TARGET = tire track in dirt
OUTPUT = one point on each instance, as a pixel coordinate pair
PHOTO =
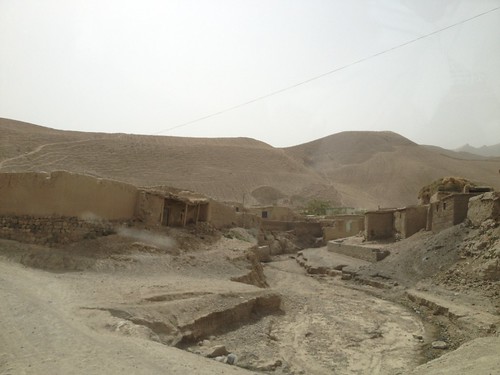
(40, 148)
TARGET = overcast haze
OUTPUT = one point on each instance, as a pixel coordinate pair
(147, 66)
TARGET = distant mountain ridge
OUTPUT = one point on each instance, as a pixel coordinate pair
(488, 151)
(357, 169)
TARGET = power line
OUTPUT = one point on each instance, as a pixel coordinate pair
(364, 59)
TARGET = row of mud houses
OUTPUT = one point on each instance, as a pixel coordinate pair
(63, 206)
(443, 210)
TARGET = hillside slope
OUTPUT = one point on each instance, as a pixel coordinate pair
(488, 151)
(372, 169)
(361, 169)
(223, 168)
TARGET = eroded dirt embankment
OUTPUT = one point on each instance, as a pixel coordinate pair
(131, 296)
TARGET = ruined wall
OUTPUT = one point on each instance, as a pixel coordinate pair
(342, 226)
(149, 208)
(484, 207)
(65, 194)
(283, 214)
(379, 225)
(301, 228)
(278, 226)
(306, 228)
(51, 230)
(248, 220)
(221, 215)
(277, 213)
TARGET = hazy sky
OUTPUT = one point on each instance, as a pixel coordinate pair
(145, 66)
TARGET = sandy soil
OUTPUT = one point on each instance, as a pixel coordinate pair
(118, 312)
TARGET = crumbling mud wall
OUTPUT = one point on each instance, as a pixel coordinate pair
(379, 225)
(221, 215)
(150, 208)
(65, 194)
(448, 212)
(277, 213)
(410, 220)
(342, 226)
(484, 207)
(51, 230)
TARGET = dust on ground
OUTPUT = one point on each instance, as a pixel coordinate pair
(142, 302)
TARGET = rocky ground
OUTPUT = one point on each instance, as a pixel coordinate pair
(197, 301)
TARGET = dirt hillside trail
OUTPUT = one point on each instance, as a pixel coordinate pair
(361, 169)
(38, 149)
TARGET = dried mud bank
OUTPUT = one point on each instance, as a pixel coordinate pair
(115, 290)
(450, 280)
(210, 296)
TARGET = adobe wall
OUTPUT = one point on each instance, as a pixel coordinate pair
(410, 220)
(51, 230)
(221, 215)
(65, 194)
(248, 220)
(277, 213)
(379, 225)
(484, 207)
(442, 215)
(449, 212)
(461, 207)
(342, 226)
(308, 228)
(283, 214)
(301, 228)
(416, 219)
(149, 208)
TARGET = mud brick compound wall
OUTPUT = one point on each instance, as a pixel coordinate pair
(65, 194)
(51, 230)
(449, 211)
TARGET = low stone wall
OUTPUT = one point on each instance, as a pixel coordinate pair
(51, 230)
(370, 254)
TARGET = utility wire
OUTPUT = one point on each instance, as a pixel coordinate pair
(364, 59)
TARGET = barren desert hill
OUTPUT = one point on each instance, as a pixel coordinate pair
(488, 151)
(222, 168)
(361, 169)
(371, 169)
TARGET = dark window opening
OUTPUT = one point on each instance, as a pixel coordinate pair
(264, 214)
